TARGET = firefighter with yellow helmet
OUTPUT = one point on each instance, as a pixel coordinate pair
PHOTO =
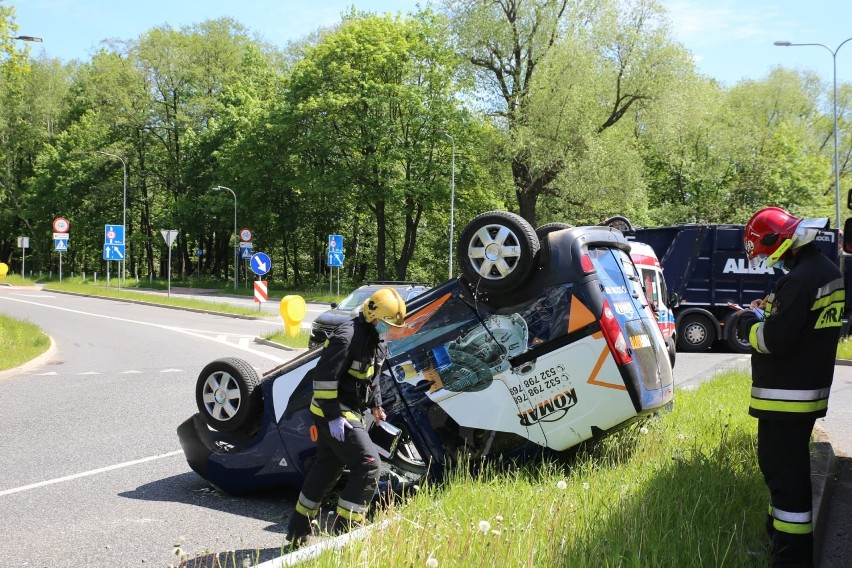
(794, 344)
(346, 383)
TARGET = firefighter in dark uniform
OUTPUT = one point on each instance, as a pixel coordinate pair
(346, 383)
(794, 343)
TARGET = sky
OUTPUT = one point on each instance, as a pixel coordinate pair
(730, 40)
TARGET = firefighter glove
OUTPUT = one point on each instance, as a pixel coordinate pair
(747, 320)
(338, 428)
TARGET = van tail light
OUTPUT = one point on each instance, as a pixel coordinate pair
(586, 264)
(614, 336)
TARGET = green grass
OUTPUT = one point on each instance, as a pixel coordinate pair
(20, 342)
(129, 294)
(683, 489)
(16, 280)
(844, 348)
(299, 340)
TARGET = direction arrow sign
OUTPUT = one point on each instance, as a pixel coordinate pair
(335, 259)
(260, 263)
(113, 252)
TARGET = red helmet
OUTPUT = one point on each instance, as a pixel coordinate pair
(772, 232)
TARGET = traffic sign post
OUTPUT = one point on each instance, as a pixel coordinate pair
(113, 246)
(24, 244)
(335, 258)
(169, 235)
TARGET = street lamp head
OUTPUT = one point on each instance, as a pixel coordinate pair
(782, 43)
(28, 38)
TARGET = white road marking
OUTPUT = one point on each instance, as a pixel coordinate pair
(157, 325)
(88, 373)
(172, 371)
(87, 473)
(50, 374)
(131, 372)
(244, 341)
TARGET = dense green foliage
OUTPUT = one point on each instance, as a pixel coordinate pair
(561, 110)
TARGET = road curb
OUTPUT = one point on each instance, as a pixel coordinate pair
(823, 478)
(33, 363)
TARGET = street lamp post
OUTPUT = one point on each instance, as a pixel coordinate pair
(123, 213)
(236, 236)
(452, 194)
(784, 43)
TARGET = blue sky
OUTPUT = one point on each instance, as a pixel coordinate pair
(729, 39)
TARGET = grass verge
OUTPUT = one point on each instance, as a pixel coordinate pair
(126, 294)
(844, 348)
(20, 342)
(678, 490)
(299, 341)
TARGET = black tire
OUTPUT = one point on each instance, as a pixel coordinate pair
(618, 222)
(226, 394)
(670, 346)
(497, 250)
(547, 228)
(695, 333)
(736, 343)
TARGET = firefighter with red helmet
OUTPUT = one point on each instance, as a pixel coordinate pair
(346, 383)
(794, 340)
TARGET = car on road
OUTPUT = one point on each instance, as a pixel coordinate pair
(325, 323)
(543, 341)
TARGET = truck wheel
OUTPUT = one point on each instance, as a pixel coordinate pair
(736, 343)
(695, 333)
(497, 250)
(226, 395)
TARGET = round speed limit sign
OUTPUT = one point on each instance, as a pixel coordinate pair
(61, 225)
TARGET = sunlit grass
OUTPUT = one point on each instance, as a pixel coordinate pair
(127, 294)
(20, 342)
(300, 340)
(679, 490)
(844, 348)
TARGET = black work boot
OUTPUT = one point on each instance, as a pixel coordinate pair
(298, 530)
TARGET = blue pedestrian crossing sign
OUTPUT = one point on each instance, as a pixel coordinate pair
(60, 245)
(245, 254)
(260, 263)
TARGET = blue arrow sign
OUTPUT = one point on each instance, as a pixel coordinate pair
(260, 263)
(335, 258)
(113, 252)
(114, 235)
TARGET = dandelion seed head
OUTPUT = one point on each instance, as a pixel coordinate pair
(643, 430)
(499, 518)
(585, 485)
(561, 485)
(495, 532)
(484, 526)
(431, 562)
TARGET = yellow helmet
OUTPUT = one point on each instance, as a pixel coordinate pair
(387, 305)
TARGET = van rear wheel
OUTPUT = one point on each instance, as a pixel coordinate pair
(695, 333)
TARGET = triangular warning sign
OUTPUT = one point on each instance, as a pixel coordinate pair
(580, 315)
(60, 245)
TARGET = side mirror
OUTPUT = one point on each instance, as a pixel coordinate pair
(849, 199)
(674, 300)
(334, 305)
(847, 236)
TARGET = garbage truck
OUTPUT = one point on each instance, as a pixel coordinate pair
(708, 278)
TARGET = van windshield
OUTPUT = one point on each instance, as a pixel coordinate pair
(617, 273)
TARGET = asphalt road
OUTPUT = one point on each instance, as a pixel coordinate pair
(93, 474)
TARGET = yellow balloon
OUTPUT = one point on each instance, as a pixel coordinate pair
(4, 269)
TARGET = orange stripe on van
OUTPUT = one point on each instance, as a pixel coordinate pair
(580, 316)
(593, 377)
(415, 322)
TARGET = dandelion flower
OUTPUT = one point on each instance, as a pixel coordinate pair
(585, 485)
(499, 518)
(484, 526)
(495, 532)
(561, 485)
(681, 436)
(643, 430)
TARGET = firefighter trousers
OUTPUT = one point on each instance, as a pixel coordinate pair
(359, 455)
(783, 453)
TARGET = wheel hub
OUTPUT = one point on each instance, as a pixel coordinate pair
(220, 396)
(492, 252)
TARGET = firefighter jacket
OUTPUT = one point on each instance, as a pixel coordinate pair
(346, 378)
(796, 345)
